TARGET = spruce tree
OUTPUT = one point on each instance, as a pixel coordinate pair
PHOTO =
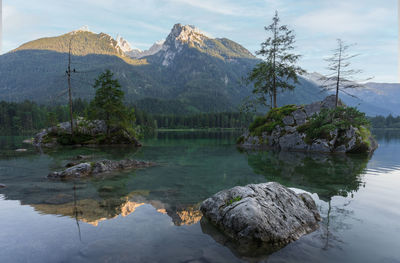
(278, 71)
(108, 104)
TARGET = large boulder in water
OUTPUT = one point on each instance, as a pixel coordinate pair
(268, 214)
(290, 128)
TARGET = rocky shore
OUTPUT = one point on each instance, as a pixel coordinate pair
(85, 133)
(288, 128)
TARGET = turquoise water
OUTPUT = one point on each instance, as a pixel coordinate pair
(151, 215)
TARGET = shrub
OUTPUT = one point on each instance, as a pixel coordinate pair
(274, 117)
(328, 120)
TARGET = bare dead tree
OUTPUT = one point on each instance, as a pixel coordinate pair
(342, 76)
(69, 72)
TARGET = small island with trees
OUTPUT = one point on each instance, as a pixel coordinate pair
(108, 121)
(328, 126)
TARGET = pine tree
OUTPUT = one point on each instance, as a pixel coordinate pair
(278, 71)
(108, 104)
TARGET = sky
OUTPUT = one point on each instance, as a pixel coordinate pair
(369, 24)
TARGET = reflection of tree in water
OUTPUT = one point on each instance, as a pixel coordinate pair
(95, 200)
(326, 175)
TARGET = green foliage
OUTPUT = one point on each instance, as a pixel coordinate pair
(328, 120)
(233, 200)
(28, 117)
(273, 118)
(385, 122)
(78, 138)
(108, 104)
(279, 70)
(365, 135)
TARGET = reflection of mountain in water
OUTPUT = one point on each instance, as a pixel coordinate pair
(93, 211)
(326, 175)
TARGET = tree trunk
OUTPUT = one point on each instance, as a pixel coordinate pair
(338, 75)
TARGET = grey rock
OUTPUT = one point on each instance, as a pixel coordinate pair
(288, 120)
(330, 102)
(290, 129)
(320, 146)
(289, 138)
(312, 109)
(292, 141)
(268, 213)
(3, 186)
(299, 116)
(333, 137)
(351, 144)
(80, 170)
(28, 141)
(21, 150)
(100, 167)
(340, 149)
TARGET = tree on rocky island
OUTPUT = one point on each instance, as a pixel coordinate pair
(342, 76)
(108, 104)
(278, 71)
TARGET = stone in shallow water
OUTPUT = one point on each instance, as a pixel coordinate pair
(268, 214)
(100, 167)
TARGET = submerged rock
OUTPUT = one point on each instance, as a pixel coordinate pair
(286, 128)
(21, 150)
(98, 168)
(268, 214)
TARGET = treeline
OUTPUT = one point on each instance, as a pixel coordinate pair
(198, 121)
(385, 122)
(29, 117)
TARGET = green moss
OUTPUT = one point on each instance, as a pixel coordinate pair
(273, 118)
(365, 135)
(233, 200)
(240, 140)
(267, 127)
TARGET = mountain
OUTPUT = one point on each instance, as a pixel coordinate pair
(189, 72)
(372, 98)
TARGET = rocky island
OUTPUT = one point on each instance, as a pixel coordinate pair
(85, 133)
(317, 127)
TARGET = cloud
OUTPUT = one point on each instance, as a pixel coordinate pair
(343, 19)
(370, 23)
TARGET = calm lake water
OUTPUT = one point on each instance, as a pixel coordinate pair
(152, 215)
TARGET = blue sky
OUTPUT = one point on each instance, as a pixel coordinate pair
(371, 24)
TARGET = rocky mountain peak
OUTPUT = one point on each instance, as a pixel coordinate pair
(123, 44)
(185, 34)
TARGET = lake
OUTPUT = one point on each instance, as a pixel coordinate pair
(152, 215)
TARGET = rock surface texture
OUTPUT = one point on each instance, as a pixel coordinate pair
(89, 133)
(288, 135)
(269, 214)
(99, 168)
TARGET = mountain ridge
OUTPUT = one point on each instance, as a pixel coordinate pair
(190, 71)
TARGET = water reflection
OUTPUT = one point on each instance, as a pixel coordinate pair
(326, 175)
(141, 206)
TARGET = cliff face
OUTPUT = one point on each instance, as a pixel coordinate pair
(317, 127)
